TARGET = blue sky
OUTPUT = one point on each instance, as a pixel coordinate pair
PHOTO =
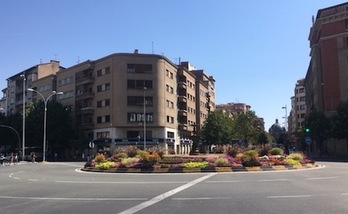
(255, 49)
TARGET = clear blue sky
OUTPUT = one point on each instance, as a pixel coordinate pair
(256, 50)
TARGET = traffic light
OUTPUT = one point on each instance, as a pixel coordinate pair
(307, 130)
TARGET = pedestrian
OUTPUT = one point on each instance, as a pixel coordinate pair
(15, 161)
(33, 156)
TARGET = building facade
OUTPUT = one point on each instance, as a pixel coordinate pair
(297, 113)
(110, 96)
(326, 81)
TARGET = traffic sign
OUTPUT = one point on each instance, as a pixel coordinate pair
(91, 145)
(308, 141)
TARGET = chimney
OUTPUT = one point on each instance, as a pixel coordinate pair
(136, 51)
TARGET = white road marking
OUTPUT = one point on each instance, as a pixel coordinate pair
(289, 196)
(75, 199)
(203, 198)
(236, 181)
(165, 195)
(119, 182)
(33, 180)
(274, 180)
(320, 178)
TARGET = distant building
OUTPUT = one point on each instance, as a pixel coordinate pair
(110, 96)
(234, 109)
(298, 112)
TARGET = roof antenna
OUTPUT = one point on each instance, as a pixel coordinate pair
(152, 47)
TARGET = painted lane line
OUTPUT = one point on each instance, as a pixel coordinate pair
(165, 195)
(119, 182)
(288, 196)
(33, 180)
(274, 180)
(320, 178)
(74, 199)
(203, 198)
(236, 181)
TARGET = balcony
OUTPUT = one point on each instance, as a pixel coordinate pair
(84, 80)
(86, 126)
(84, 95)
(182, 112)
(182, 99)
(183, 127)
(85, 110)
(182, 85)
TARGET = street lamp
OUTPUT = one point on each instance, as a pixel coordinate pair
(144, 119)
(23, 132)
(286, 116)
(45, 115)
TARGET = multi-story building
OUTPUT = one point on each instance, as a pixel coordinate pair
(41, 75)
(326, 80)
(297, 113)
(235, 108)
(110, 96)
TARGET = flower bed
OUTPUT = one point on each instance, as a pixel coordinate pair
(133, 160)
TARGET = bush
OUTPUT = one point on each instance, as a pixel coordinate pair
(234, 150)
(105, 166)
(100, 158)
(196, 165)
(148, 159)
(276, 151)
(250, 158)
(264, 150)
(131, 151)
(222, 162)
(293, 162)
(130, 162)
(296, 156)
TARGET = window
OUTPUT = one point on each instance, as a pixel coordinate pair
(346, 24)
(138, 117)
(103, 135)
(302, 99)
(105, 87)
(103, 103)
(170, 134)
(170, 119)
(66, 81)
(139, 84)
(66, 95)
(139, 101)
(139, 68)
(302, 107)
(103, 119)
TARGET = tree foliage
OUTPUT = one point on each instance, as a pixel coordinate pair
(247, 127)
(217, 128)
(59, 128)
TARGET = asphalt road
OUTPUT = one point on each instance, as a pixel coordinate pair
(61, 188)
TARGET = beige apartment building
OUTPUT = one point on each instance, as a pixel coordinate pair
(110, 96)
(298, 112)
(107, 97)
(41, 76)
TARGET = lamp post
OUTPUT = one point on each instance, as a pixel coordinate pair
(19, 138)
(286, 116)
(144, 119)
(45, 115)
(23, 132)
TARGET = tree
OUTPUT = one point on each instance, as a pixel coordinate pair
(59, 127)
(318, 126)
(263, 139)
(217, 128)
(247, 127)
(339, 122)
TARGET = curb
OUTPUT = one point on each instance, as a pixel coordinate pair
(197, 170)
